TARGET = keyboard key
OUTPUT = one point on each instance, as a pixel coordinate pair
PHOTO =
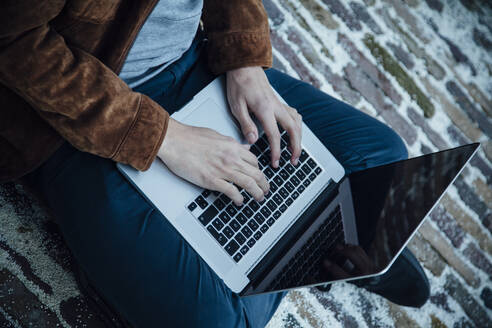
(235, 225)
(244, 250)
(285, 136)
(224, 217)
(259, 218)
(283, 192)
(257, 235)
(270, 221)
(289, 201)
(255, 150)
(232, 247)
(201, 202)
(283, 144)
(246, 196)
(253, 204)
(281, 162)
(300, 175)
(271, 205)
(218, 236)
(306, 182)
(241, 218)
(273, 187)
(277, 199)
(228, 232)
(276, 215)
(226, 200)
(263, 160)
(304, 156)
(219, 204)
(269, 173)
(278, 180)
(247, 211)
(312, 176)
(251, 242)
(311, 163)
(237, 257)
(246, 231)
(264, 228)
(285, 155)
(192, 206)
(231, 210)
(253, 225)
(290, 168)
(218, 224)
(261, 143)
(206, 193)
(289, 186)
(240, 238)
(294, 195)
(318, 170)
(282, 208)
(306, 168)
(294, 180)
(208, 215)
(301, 189)
(283, 173)
(265, 211)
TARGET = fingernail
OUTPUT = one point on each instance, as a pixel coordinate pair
(261, 199)
(296, 161)
(251, 137)
(276, 163)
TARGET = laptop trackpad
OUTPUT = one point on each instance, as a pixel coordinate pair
(217, 117)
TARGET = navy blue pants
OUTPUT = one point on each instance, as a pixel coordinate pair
(136, 260)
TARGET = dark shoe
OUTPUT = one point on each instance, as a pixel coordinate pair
(405, 282)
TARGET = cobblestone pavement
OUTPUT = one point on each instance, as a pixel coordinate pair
(422, 66)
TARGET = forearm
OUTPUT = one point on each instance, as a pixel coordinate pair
(81, 98)
(238, 34)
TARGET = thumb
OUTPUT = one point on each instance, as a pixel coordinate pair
(248, 127)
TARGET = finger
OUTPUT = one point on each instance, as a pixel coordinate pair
(248, 156)
(353, 254)
(247, 183)
(229, 190)
(269, 124)
(248, 127)
(292, 123)
(333, 269)
(257, 175)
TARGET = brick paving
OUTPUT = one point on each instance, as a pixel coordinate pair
(422, 66)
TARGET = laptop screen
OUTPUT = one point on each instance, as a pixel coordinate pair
(390, 202)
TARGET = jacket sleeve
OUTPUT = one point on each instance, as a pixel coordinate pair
(80, 97)
(238, 34)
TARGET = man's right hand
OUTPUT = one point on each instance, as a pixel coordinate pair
(211, 160)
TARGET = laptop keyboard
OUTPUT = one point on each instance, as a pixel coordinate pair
(238, 228)
(303, 268)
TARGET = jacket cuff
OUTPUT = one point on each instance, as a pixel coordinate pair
(144, 138)
(240, 49)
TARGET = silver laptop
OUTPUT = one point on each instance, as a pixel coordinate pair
(279, 243)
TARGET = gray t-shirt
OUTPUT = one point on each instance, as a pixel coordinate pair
(165, 36)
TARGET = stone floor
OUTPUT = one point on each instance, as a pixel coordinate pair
(422, 66)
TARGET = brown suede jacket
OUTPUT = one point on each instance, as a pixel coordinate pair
(59, 65)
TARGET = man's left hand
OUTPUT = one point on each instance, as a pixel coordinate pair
(249, 91)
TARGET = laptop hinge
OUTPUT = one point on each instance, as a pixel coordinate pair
(294, 233)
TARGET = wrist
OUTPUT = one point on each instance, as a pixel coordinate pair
(166, 148)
